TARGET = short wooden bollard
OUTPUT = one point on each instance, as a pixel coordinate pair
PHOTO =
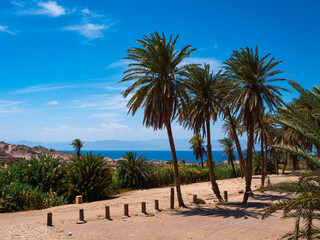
(269, 182)
(49, 219)
(81, 217)
(195, 199)
(172, 198)
(156, 206)
(107, 214)
(226, 196)
(143, 209)
(126, 211)
(79, 199)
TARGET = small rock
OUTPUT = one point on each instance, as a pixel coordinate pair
(240, 191)
(69, 233)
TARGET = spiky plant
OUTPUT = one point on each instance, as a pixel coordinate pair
(157, 86)
(90, 176)
(134, 172)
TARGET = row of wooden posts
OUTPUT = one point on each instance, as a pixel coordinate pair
(126, 209)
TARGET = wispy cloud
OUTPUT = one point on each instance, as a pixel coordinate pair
(49, 8)
(103, 115)
(40, 88)
(11, 106)
(52, 103)
(104, 102)
(92, 25)
(5, 29)
(118, 64)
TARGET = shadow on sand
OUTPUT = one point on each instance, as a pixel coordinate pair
(234, 209)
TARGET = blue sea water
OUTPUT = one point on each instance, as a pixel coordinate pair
(161, 155)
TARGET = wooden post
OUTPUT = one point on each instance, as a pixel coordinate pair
(79, 199)
(81, 217)
(156, 206)
(126, 211)
(269, 182)
(226, 196)
(195, 199)
(107, 214)
(172, 198)
(49, 219)
(143, 209)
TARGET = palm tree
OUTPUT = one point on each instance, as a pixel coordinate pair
(77, 144)
(134, 172)
(251, 78)
(203, 92)
(158, 86)
(306, 201)
(197, 146)
(232, 128)
(228, 149)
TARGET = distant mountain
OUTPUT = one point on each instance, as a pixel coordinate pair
(154, 144)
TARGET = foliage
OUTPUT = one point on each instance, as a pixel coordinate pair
(90, 176)
(199, 150)
(134, 172)
(256, 164)
(228, 149)
(47, 173)
(77, 144)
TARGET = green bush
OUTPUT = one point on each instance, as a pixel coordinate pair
(90, 176)
(18, 196)
(47, 173)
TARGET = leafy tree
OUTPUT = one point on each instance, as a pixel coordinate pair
(90, 176)
(77, 144)
(158, 86)
(134, 172)
(203, 90)
(252, 81)
(197, 146)
(228, 149)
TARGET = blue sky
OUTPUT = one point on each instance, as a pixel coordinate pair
(60, 60)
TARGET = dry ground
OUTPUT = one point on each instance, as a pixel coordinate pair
(205, 221)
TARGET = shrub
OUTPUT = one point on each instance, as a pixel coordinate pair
(18, 196)
(90, 176)
(47, 173)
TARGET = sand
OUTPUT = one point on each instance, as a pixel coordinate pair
(205, 221)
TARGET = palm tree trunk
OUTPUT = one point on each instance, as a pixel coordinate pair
(214, 184)
(248, 176)
(234, 171)
(262, 158)
(265, 156)
(236, 140)
(201, 161)
(285, 162)
(275, 160)
(175, 164)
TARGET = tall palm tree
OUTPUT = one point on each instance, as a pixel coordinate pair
(77, 144)
(252, 89)
(157, 86)
(203, 92)
(232, 128)
(228, 149)
(197, 146)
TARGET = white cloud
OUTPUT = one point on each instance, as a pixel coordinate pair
(121, 63)
(48, 8)
(5, 29)
(52, 102)
(103, 115)
(215, 64)
(40, 88)
(18, 4)
(89, 30)
(11, 106)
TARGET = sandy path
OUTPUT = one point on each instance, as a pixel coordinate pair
(206, 221)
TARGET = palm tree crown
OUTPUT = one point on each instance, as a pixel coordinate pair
(197, 146)
(77, 144)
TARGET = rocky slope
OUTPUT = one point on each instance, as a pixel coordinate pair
(12, 153)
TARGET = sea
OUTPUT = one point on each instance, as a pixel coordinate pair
(160, 155)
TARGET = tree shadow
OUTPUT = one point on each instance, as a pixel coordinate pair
(235, 209)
